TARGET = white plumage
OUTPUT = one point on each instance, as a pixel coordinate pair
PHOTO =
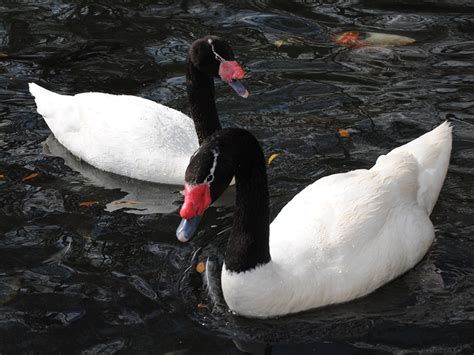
(122, 134)
(347, 234)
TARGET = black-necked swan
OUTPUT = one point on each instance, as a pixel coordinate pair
(136, 137)
(340, 238)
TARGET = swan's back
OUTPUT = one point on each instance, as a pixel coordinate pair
(123, 134)
(411, 174)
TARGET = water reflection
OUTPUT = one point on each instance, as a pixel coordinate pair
(142, 197)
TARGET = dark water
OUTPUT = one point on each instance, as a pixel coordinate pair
(112, 277)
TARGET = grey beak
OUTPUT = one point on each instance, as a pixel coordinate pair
(187, 228)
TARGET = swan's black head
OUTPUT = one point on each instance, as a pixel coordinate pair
(213, 56)
(209, 173)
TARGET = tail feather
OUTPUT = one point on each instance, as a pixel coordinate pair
(46, 101)
(432, 152)
(58, 111)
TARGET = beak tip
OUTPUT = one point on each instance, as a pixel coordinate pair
(239, 88)
(182, 237)
(187, 228)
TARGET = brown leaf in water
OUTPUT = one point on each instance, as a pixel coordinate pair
(272, 158)
(278, 43)
(3, 55)
(202, 306)
(201, 267)
(88, 203)
(30, 177)
(344, 133)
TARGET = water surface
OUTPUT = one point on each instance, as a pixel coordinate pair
(90, 262)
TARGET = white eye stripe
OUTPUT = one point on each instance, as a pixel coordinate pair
(215, 152)
(218, 57)
(210, 177)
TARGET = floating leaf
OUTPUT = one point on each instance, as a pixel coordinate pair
(3, 55)
(385, 39)
(2, 176)
(278, 43)
(344, 133)
(30, 177)
(272, 158)
(364, 39)
(201, 267)
(88, 203)
(202, 306)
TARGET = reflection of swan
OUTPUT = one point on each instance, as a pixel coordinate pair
(142, 197)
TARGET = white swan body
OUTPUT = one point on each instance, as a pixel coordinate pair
(347, 234)
(122, 134)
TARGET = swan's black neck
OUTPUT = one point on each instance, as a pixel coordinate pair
(200, 88)
(248, 245)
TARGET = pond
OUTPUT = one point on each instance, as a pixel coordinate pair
(90, 261)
